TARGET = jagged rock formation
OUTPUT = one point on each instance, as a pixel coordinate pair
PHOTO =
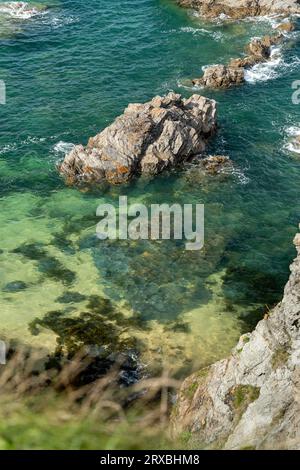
(250, 400)
(220, 76)
(241, 8)
(258, 50)
(225, 76)
(146, 139)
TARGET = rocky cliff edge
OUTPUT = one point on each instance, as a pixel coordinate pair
(250, 400)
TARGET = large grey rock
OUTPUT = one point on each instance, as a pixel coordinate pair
(252, 398)
(146, 139)
(241, 8)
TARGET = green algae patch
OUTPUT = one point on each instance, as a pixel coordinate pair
(194, 382)
(246, 339)
(280, 358)
(191, 390)
(240, 397)
(101, 325)
(48, 265)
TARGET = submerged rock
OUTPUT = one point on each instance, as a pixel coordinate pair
(250, 400)
(286, 26)
(199, 172)
(147, 139)
(215, 163)
(241, 8)
(15, 286)
(220, 76)
(99, 333)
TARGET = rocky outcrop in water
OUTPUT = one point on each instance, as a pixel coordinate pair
(147, 139)
(241, 8)
(220, 76)
(225, 76)
(250, 400)
(214, 164)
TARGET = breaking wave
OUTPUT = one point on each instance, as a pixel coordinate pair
(292, 143)
(63, 147)
(20, 10)
(266, 70)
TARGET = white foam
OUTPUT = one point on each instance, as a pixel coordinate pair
(293, 147)
(63, 147)
(292, 131)
(223, 17)
(7, 148)
(292, 143)
(16, 145)
(204, 67)
(266, 70)
(218, 36)
(19, 10)
(272, 20)
(237, 173)
(62, 20)
(188, 85)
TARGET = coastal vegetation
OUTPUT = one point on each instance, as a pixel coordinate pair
(101, 333)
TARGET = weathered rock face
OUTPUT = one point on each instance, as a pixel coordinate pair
(260, 48)
(241, 8)
(251, 399)
(225, 76)
(146, 139)
(220, 76)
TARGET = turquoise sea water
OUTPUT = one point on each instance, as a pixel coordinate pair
(69, 72)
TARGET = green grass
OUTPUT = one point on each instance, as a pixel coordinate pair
(46, 409)
(23, 429)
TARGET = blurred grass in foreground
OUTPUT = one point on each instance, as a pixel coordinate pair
(43, 408)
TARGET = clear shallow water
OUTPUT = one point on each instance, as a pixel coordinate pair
(69, 72)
